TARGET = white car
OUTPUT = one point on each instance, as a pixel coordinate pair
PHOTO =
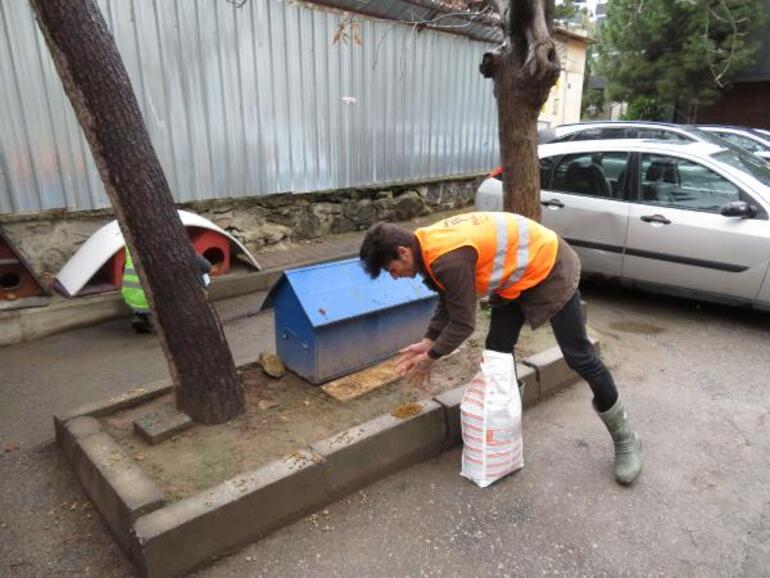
(754, 140)
(684, 218)
(617, 129)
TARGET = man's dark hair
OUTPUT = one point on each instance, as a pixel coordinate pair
(380, 246)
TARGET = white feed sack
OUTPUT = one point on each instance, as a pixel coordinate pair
(490, 415)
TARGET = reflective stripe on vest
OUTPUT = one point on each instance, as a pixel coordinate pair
(514, 253)
(522, 253)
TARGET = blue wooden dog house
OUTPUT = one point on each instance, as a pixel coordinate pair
(332, 319)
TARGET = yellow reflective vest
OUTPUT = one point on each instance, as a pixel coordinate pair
(514, 253)
(131, 288)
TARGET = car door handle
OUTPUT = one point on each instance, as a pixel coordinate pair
(655, 219)
(552, 203)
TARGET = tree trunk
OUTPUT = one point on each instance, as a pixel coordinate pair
(98, 86)
(523, 68)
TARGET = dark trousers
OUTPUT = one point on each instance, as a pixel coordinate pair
(570, 331)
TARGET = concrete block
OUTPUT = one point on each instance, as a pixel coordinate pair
(10, 327)
(189, 533)
(450, 401)
(380, 447)
(65, 314)
(161, 424)
(117, 486)
(597, 345)
(110, 405)
(552, 370)
(75, 429)
(553, 373)
(531, 385)
(236, 284)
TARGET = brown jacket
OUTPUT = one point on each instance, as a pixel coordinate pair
(455, 316)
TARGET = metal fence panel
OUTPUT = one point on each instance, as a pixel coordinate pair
(250, 101)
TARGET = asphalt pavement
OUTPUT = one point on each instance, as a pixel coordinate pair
(695, 380)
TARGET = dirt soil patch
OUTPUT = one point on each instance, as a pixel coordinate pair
(283, 415)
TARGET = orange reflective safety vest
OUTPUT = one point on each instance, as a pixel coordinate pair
(514, 253)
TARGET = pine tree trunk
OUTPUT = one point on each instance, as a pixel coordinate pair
(523, 69)
(98, 86)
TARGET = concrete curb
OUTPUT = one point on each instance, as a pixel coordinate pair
(189, 533)
(64, 314)
(380, 447)
(131, 398)
(171, 539)
(533, 387)
(552, 370)
(117, 486)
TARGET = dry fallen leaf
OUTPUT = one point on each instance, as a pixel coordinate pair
(272, 365)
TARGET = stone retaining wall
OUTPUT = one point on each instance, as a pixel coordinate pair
(49, 239)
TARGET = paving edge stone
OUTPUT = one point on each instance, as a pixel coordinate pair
(117, 486)
(192, 532)
(553, 373)
(172, 539)
(131, 398)
(380, 447)
(64, 314)
(531, 385)
(452, 399)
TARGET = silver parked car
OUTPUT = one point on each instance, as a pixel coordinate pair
(684, 218)
(617, 129)
(756, 141)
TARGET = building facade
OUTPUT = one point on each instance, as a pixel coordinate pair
(565, 99)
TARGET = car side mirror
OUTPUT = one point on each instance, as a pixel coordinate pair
(738, 209)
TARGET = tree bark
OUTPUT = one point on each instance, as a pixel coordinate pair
(523, 68)
(97, 84)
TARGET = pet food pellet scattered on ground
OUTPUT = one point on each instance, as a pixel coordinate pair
(406, 410)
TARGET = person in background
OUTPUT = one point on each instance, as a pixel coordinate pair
(133, 294)
(528, 272)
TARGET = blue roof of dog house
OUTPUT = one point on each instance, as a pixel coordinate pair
(332, 319)
(340, 290)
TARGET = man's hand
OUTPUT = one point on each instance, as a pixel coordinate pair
(416, 369)
(416, 349)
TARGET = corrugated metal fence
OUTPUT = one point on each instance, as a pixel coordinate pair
(249, 101)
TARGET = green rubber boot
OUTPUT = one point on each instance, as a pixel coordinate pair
(628, 444)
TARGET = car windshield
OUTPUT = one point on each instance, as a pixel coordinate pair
(711, 137)
(721, 141)
(747, 163)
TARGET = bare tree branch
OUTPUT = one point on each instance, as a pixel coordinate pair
(711, 54)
